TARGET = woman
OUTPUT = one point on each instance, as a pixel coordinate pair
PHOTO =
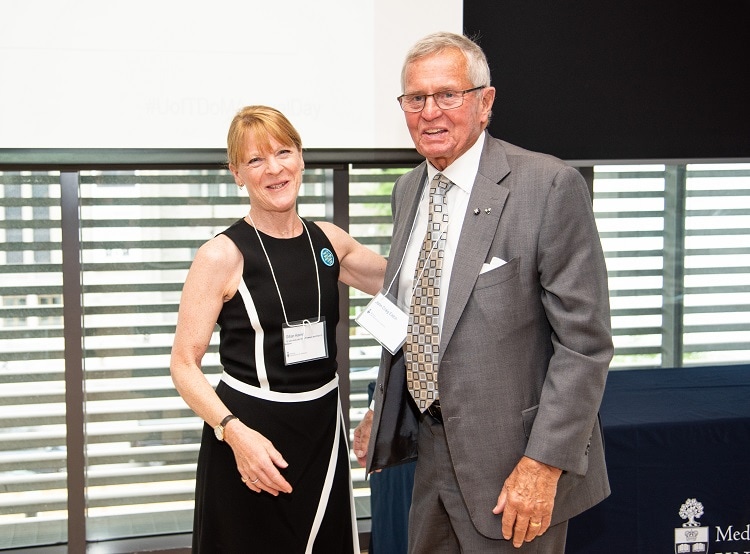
(273, 469)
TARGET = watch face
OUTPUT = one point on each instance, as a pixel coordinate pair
(219, 432)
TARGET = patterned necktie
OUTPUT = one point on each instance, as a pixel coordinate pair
(423, 333)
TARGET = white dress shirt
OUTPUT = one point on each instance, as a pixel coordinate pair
(462, 172)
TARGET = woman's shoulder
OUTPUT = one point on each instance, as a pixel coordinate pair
(335, 234)
(218, 252)
(236, 230)
(325, 226)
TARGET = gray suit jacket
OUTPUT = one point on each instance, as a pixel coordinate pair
(525, 346)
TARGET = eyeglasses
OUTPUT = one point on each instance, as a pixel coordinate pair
(445, 99)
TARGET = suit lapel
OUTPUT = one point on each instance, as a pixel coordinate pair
(477, 233)
(406, 203)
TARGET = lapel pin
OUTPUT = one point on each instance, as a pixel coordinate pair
(476, 211)
(487, 210)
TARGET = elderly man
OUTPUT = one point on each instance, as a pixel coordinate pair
(497, 265)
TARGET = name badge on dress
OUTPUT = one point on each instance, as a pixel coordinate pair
(304, 341)
(385, 321)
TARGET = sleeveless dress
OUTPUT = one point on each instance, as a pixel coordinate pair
(295, 406)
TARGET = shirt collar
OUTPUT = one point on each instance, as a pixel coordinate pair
(463, 171)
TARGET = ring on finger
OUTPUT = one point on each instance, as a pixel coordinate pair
(256, 480)
(243, 479)
(535, 524)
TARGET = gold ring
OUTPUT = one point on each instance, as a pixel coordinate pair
(535, 524)
(244, 479)
(253, 482)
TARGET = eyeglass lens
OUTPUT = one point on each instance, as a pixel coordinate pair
(446, 100)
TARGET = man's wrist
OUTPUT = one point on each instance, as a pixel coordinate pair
(552, 469)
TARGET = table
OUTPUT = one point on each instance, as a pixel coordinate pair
(672, 435)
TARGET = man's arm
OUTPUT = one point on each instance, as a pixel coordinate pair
(576, 302)
(575, 298)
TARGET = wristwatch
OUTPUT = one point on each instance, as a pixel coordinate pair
(219, 429)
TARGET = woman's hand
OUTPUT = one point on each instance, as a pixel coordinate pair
(258, 462)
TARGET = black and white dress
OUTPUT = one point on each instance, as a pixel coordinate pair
(295, 406)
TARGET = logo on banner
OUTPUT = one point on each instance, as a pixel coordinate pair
(691, 537)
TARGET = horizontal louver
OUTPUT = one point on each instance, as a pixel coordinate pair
(676, 239)
(33, 477)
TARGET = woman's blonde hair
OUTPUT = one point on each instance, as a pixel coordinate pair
(259, 123)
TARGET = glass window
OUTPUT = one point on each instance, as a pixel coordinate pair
(33, 479)
(677, 244)
(140, 231)
(676, 240)
(629, 210)
(370, 223)
(717, 264)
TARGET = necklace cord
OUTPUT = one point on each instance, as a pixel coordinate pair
(273, 274)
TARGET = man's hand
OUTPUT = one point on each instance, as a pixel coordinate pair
(362, 438)
(527, 499)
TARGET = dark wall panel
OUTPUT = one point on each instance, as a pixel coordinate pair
(618, 79)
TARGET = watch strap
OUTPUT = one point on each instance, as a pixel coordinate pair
(219, 429)
(226, 420)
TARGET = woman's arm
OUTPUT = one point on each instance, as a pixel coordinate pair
(361, 268)
(208, 285)
(212, 280)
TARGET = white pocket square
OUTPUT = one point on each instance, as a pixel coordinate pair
(494, 262)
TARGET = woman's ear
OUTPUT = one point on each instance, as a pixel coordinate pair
(237, 178)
